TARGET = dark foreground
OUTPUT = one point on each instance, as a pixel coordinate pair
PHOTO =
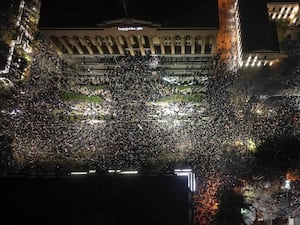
(93, 199)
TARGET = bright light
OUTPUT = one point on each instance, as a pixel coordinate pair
(287, 184)
(129, 172)
(169, 79)
(294, 20)
(114, 171)
(15, 112)
(183, 170)
(251, 145)
(243, 211)
(271, 63)
(92, 171)
(93, 121)
(130, 28)
(79, 173)
(169, 111)
(191, 177)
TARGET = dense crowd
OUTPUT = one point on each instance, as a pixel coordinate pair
(213, 136)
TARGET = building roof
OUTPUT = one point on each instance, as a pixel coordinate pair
(96, 200)
(258, 32)
(168, 13)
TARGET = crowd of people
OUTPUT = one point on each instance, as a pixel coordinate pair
(211, 136)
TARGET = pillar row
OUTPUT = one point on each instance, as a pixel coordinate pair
(84, 43)
(95, 43)
(120, 48)
(58, 50)
(193, 45)
(129, 46)
(213, 48)
(74, 43)
(172, 46)
(110, 50)
(151, 46)
(162, 46)
(203, 46)
(66, 45)
(141, 46)
(182, 46)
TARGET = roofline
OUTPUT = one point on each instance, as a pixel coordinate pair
(103, 28)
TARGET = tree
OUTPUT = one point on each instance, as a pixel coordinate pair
(231, 204)
(278, 154)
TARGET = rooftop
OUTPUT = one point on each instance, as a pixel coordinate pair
(258, 32)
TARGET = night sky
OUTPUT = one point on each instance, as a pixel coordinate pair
(60, 13)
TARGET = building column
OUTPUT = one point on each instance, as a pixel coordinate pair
(84, 43)
(74, 43)
(193, 45)
(58, 50)
(172, 46)
(213, 47)
(129, 46)
(120, 48)
(110, 50)
(182, 46)
(203, 45)
(66, 45)
(141, 46)
(151, 45)
(162, 46)
(95, 43)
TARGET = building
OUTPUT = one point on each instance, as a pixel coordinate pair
(18, 37)
(192, 36)
(284, 11)
(130, 29)
(93, 199)
(256, 35)
(256, 32)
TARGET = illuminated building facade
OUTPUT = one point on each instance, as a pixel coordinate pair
(192, 37)
(255, 34)
(136, 37)
(23, 20)
(254, 38)
(285, 11)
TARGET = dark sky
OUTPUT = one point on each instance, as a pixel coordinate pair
(166, 12)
